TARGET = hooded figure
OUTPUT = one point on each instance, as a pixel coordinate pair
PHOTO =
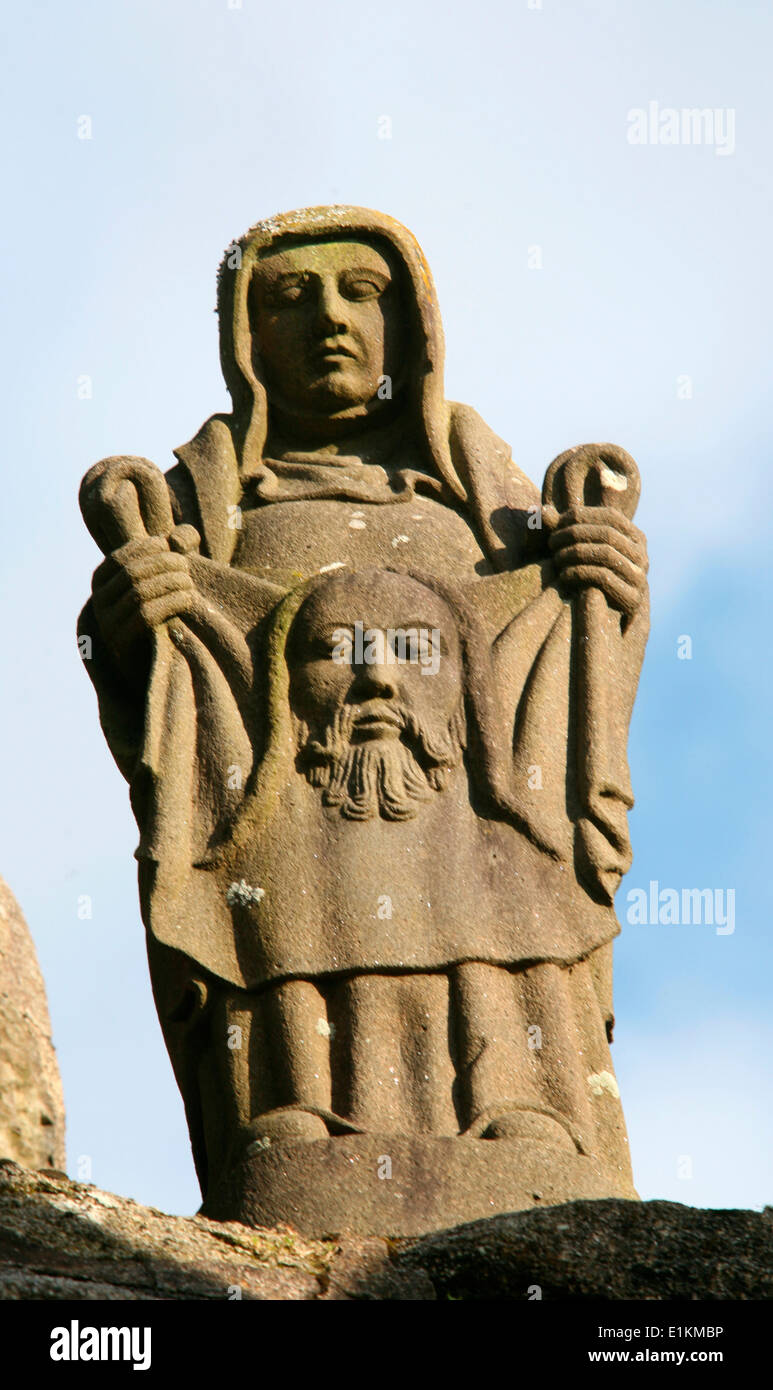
(416, 449)
(270, 851)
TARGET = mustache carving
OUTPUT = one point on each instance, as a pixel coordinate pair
(387, 777)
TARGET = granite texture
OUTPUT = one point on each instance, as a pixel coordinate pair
(31, 1101)
(65, 1240)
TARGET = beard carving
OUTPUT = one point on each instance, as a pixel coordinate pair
(387, 777)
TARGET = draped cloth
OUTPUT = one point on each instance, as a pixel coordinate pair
(200, 715)
(208, 752)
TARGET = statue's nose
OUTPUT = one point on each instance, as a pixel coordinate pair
(331, 308)
(374, 681)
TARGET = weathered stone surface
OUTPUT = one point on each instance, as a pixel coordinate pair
(31, 1102)
(394, 1186)
(64, 1240)
(61, 1239)
(371, 689)
(607, 1249)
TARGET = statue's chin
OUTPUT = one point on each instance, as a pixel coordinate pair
(331, 405)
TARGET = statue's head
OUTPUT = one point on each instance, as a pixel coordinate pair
(328, 327)
(328, 315)
(376, 688)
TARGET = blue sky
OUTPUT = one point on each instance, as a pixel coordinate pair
(509, 131)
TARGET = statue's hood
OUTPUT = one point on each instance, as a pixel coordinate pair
(247, 390)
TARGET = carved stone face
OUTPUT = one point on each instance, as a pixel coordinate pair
(326, 325)
(323, 680)
(376, 681)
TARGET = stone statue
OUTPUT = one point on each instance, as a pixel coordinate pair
(371, 694)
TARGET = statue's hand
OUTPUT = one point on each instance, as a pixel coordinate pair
(598, 547)
(138, 588)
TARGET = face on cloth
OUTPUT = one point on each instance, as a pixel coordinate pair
(378, 729)
(326, 319)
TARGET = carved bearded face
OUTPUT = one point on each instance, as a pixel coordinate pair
(326, 324)
(376, 690)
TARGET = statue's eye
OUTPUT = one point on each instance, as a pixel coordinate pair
(290, 291)
(338, 646)
(363, 287)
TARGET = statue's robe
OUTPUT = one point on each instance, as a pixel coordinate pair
(203, 739)
(191, 741)
(217, 807)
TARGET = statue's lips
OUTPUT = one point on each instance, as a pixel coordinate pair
(377, 722)
(333, 352)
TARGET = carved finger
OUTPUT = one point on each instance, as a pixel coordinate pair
(185, 539)
(569, 536)
(122, 616)
(161, 584)
(111, 589)
(122, 595)
(146, 566)
(159, 610)
(143, 545)
(621, 595)
(114, 562)
(600, 516)
(599, 556)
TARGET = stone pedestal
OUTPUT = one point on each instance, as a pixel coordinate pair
(389, 1185)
